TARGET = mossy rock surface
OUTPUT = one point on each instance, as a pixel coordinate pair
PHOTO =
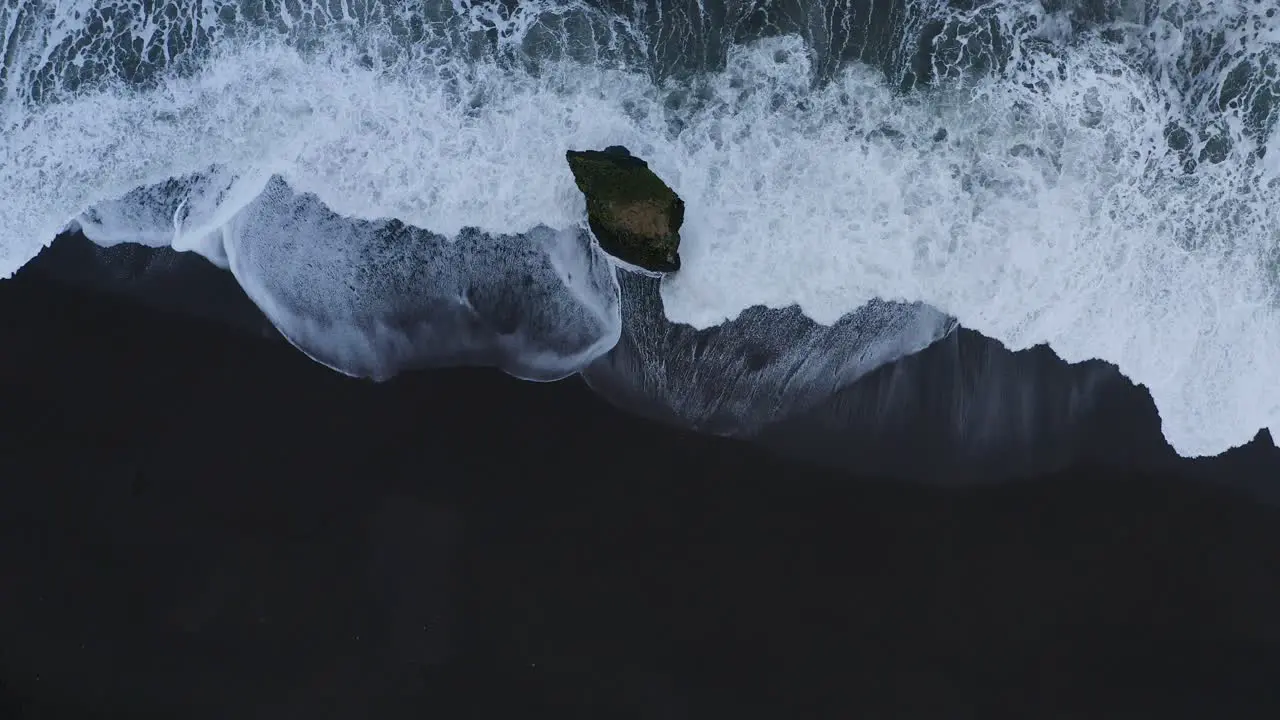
(633, 214)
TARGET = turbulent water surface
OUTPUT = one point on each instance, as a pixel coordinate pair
(386, 181)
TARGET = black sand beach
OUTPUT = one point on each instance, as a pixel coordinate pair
(199, 523)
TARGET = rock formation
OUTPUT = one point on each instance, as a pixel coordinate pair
(632, 213)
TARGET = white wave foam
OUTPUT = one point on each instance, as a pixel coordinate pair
(760, 369)
(1053, 211)
(372, 299)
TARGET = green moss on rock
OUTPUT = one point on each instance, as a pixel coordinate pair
(633, 214)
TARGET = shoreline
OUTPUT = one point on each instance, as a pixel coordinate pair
(985, 414)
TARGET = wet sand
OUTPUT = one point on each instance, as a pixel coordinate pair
(199, 523)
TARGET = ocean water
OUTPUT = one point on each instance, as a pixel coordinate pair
(386, 181)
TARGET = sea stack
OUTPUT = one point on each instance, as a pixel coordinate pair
(633, 214)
